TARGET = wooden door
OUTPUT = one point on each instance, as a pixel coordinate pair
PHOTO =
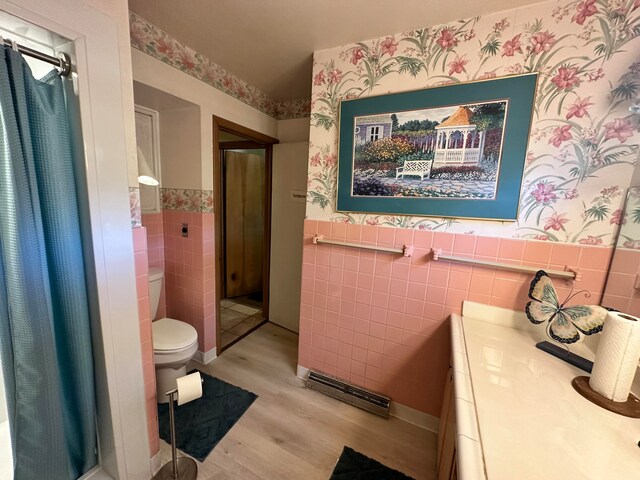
(244, 175)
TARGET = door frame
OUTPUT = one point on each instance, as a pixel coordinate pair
(259, 140)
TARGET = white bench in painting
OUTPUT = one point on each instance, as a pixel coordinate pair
(419, 168)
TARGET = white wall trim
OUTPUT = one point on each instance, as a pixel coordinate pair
(416, 417)
(302, 372)
(122, 425)
(206, 357)
(156, 463)
(96, 473)
(402, 412)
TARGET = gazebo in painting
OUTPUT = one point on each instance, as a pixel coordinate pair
(457, 141)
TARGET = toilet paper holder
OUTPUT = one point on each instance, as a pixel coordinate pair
(183, 468)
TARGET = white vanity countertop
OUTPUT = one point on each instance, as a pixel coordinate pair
(531, 423)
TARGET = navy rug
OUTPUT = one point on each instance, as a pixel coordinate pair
(353, 465)
(202, 423)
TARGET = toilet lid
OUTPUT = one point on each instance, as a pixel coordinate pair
(170, 334)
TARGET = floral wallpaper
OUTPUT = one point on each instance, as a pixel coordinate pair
(584, 141)
(172, 199)
(298, 108)
(629, 221)
(153, 41)
(186, 200)
(134, 207)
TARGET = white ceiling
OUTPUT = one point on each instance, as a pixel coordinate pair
(269, 43)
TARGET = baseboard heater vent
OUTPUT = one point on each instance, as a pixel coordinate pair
(356, 396)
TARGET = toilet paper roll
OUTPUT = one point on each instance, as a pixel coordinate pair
(617, 357)
(189, 387)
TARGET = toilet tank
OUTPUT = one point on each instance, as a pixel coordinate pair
(155, 287)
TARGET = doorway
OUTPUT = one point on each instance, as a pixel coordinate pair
(242, 180)
(243, 224)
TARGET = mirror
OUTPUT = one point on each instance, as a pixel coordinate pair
(622, 289)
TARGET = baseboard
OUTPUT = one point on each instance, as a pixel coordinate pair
(156, 463)
(302, 372)
(206, 357)
(416, 417)
(408, 414)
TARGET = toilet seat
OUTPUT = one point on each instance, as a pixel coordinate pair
(171, 336)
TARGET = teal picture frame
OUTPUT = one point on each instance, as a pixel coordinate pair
(515, 94)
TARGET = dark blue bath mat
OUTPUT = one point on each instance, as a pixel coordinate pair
(353, 465)
(202, 423)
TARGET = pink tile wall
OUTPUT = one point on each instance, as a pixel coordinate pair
(619, 293)
(155, 244)
(190, 272)
(380, 320)
(142, 288)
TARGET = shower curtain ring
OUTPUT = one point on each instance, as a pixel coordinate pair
(64, 68)
(14, 45)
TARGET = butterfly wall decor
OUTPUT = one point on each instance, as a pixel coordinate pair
(564, 324)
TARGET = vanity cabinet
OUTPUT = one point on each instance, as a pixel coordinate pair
(447, 433)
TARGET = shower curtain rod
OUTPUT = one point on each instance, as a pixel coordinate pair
(63, 62)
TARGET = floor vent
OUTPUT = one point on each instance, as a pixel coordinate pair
(356, 396)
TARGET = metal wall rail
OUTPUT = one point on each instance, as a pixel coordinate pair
(566, 274)
(406, 250)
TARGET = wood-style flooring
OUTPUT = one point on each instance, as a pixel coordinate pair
(291, 432)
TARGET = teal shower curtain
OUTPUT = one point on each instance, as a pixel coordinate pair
(45, 338)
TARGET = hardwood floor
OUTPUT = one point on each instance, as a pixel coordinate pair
(291, 432)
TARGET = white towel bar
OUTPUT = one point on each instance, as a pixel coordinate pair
(406, 250)
(566, 274)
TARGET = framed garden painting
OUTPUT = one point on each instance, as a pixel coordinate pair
(449, 151)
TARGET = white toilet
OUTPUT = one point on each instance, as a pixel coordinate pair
(174, 342)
